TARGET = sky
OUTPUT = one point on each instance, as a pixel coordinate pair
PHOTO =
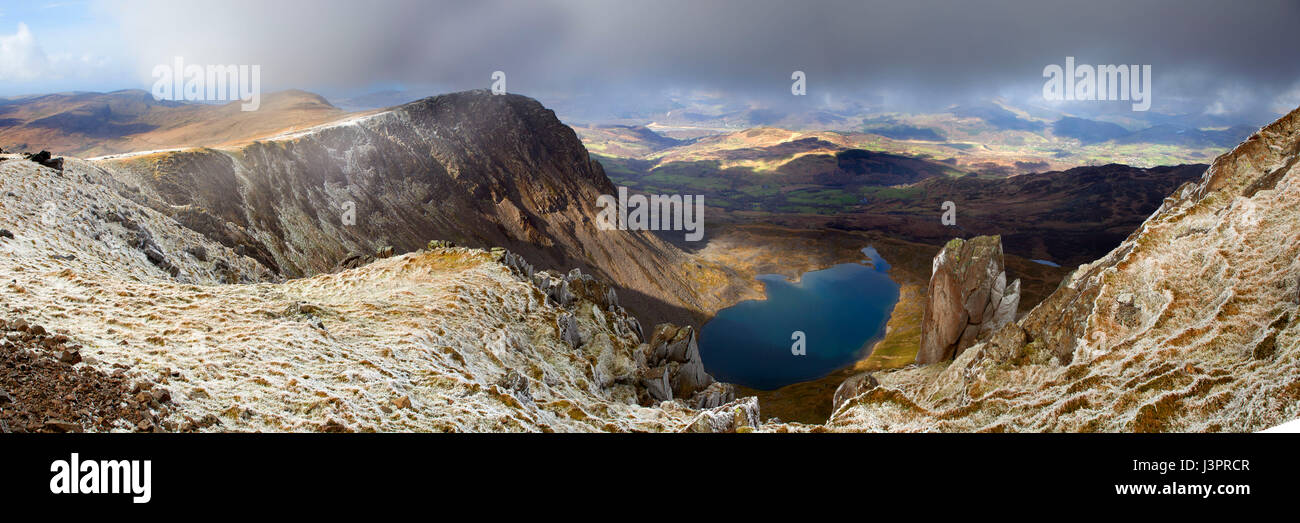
(1221, 58)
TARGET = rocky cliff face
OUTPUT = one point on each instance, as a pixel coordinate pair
(967, 298)
(1191, 324)
(442, 338)
(477, 169)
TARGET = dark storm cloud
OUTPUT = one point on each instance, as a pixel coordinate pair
(1240, 55)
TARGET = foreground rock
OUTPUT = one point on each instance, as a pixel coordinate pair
(737, 416)
(851, 388)
(45, 159)
(668, 364)
(968, 298)
(42, 389)
(437, 339)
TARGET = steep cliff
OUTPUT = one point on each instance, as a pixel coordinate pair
(1191, 324)
(478, 169)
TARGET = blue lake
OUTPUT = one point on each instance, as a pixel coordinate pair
(840, 310)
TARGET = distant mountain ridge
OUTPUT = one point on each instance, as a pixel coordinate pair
(95, 124)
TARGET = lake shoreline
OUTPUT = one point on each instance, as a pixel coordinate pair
(834, 315)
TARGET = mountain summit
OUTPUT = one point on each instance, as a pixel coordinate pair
(474, 168)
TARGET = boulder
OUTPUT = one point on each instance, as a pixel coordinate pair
(44, 158)
(967, 299)
(353, 261)
(198, 252)
(852, 387)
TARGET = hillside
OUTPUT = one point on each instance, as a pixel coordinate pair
(94, 124)
(1068, 217)
(477, 169)
(1191, 324)
(441, 339)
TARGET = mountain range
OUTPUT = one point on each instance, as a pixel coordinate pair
(437, 266)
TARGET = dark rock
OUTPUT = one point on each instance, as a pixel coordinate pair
(155, 256)
(852, 387)
(71, 357)
(55, 425)
(353, 261)
(4, 233)
(384, 252)
(44, 158)
(198, 252)
(334, 426)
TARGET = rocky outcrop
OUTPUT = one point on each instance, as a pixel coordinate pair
(968, 298)
(45, 159)
(737, 416)
(668, 364)
(672, 367)
(852, 387)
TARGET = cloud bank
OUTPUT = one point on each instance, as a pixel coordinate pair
(1208, 56)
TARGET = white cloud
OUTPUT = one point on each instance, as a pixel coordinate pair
(1287, 101)
(21, 57)
(1231, 99)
